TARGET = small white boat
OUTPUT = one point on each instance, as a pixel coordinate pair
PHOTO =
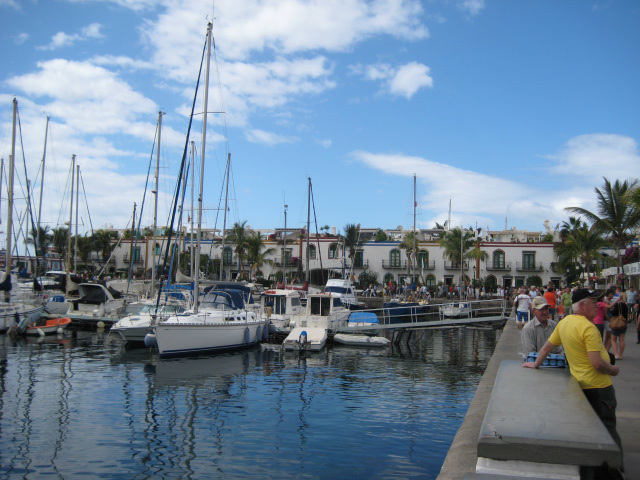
(360, 340)
(279, 306)
(306, 338)
(134, 328)
(48, 326)
(460, 309)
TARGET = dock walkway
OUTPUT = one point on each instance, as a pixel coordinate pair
(462, 456)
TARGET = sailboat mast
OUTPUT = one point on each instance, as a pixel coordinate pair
(308, 228)
(193, 154)
(44, 156)
(75, 242)
(224, 217)
(8, 258)
(68, 260)
(155, 208)
(202, 155)
(284, 249)
(415, 239)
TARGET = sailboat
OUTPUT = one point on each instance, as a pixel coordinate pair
(14, 311)
(221, 320)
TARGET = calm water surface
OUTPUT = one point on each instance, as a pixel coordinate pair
(80, 406)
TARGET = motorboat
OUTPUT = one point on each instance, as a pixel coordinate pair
(360, 340)
(94, 301)
(456, 309)
(47, 326)
(323, 310)
(306, 338)
(343, 289)
(134, 328)
(280, 306)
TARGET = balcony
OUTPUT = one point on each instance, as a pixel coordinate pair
(287, 263)
(427, 265)
(136, 261)
(529, 267)
(455, 265)
(398, 265)
(361, 265)
(498, 267)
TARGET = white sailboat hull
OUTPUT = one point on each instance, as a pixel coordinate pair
(11, 314)
(176, 339)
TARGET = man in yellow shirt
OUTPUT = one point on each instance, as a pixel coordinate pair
(588, 360)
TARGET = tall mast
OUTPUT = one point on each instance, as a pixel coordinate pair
(204, 143)
(224, 217)
(68, 262)
(191, 252)
(44, 156)
(75, 241)
(155, 207)
(10, 195)
(308, 275)
(415, 239)
(284, 249)
(131, 248)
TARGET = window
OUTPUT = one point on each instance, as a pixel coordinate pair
(136, 254)
(490, 283)
(358, 261)
(529, 260)
(333, 250)
(519, 282)
(157, 249)
(498, 259)
(312, 252)
(423, 259)
(228, 255)
(394, 258)
(430, 280)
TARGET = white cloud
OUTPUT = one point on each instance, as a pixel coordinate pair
(10, 3)
(404, 80)
(268, 138)
(475, 196)
(410, 78)
(473, 7)
(20, 38)
(592, 156)
(62, 39)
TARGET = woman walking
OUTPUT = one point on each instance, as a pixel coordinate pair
(619, 309)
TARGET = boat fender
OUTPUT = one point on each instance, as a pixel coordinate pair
(150, 340)
(40, 332)
(247, 335)
(265, 332)
(259, 333)
(272, 328)
(60, 330)
(101, 324)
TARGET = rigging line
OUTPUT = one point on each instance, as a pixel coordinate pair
(222, 108)
(144, 196)
(86, 202)
(28, 196)
(315, 220)
(182, 164)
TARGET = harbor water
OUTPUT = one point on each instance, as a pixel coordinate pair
(81, 406)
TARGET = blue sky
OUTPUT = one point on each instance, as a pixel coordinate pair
(511, 109)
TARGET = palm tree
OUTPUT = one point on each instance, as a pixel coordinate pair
(238, 235)
(352, 240)
(102, 241)
(85, 248)
(567, 227)
(616, 217)
(255, 254)
(577, 252)
(59, 239)
(456, 244)
(409, 246)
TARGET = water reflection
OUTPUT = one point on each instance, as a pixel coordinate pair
(82, 404)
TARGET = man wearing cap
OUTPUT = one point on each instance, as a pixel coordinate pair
(587, 357)
(536, 333)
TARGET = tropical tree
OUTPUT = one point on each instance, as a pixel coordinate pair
(238, 236)
(616, 217)
(456, 244)
(103, 243)
(569, 226)
(352, 240)
(409, 245)
(59, 239)
(256, 253)
(578, 251)
(381, 236)
(85, 247)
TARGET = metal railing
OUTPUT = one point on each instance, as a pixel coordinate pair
(386, 264)
(503, 266)
(529, 267)
(455, 265)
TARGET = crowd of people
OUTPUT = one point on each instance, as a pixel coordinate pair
(589, 324)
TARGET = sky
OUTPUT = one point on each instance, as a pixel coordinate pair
(509, 111)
